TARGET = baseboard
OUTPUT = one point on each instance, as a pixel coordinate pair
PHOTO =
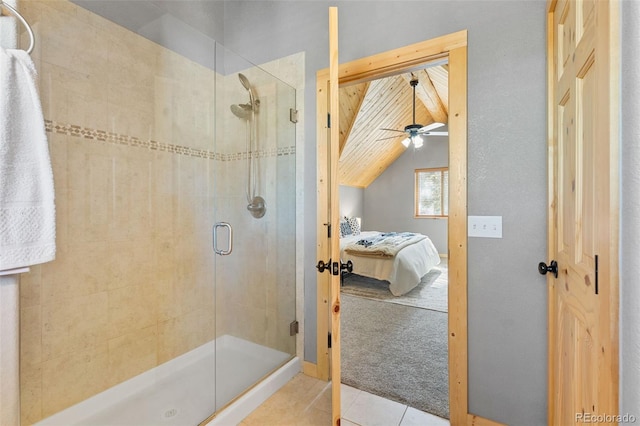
(310, 369)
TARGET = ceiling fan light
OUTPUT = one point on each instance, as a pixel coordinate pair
(406, 142)
(417, 141)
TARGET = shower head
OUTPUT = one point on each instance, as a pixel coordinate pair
(247, 85)
(242, 111)
(245, 81)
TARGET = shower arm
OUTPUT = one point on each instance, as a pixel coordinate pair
(254, 161)
(248, 150)
(252, 133)
(251, 164)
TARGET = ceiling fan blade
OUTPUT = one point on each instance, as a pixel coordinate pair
(429, 127)
(434, 134)
(393, 130)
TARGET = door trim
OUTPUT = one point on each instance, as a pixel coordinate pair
(454, 47)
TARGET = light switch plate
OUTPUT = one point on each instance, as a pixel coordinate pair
(485, 226)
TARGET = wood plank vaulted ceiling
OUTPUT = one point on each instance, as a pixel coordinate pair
(365, 108)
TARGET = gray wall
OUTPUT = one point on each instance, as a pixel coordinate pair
(630, 211)
(389, 200)
(351, 201)
(507, 164)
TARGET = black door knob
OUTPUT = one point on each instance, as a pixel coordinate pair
(322, 266)
(553, 268)
(348, 266)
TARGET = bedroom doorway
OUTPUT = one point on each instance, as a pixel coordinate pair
(392, 197)
(453, 48)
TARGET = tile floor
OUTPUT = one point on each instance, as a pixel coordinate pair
(307, 401)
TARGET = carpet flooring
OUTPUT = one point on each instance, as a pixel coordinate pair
(396, 351)
(431, 293)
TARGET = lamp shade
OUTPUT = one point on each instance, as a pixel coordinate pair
(417, 141)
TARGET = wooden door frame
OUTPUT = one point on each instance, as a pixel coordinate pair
(454, 47)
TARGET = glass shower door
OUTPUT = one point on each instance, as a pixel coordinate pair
(255, 225)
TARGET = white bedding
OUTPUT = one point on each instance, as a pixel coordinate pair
(403, 272)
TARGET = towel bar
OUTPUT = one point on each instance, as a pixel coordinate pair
(24, 22)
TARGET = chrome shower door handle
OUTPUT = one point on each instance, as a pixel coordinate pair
(215, 238)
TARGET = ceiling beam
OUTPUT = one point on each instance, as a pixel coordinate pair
(440, 78)
(426, 92)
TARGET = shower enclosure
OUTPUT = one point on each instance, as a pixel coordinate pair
(255, 195)
(138, 320)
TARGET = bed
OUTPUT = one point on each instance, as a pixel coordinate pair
(403, 270)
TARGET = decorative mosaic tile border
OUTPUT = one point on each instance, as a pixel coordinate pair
(118, 139)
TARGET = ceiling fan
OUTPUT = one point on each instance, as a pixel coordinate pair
(415, 131)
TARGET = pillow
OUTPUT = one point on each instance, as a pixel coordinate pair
(345, 228)
(355, 226)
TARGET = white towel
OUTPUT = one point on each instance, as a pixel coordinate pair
(27, 209)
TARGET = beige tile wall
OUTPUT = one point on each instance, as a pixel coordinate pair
(131, 134)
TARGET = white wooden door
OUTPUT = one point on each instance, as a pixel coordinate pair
(583, 102)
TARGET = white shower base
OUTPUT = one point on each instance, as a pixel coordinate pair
(181, 391)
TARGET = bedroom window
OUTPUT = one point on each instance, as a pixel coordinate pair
(432, 192)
